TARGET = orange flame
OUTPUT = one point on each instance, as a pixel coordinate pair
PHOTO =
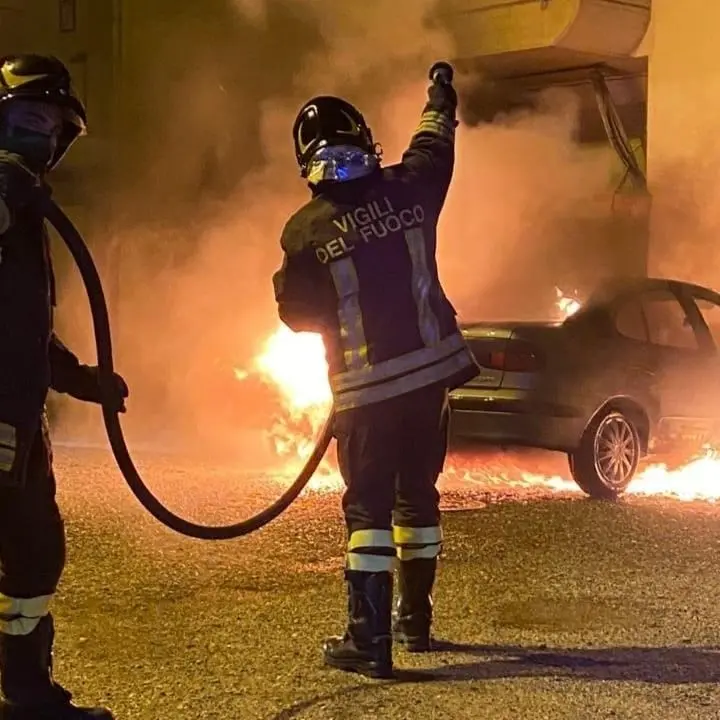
(566, 304)
(696, 480)
(295, 365)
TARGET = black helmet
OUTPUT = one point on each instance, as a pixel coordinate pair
(44, 79)
(325, 121)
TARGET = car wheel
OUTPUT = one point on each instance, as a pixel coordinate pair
(607, 458)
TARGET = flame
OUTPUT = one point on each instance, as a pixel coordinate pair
(295, 366)
(695, 480)
(567, 305)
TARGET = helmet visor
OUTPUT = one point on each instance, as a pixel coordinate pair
(340, 163)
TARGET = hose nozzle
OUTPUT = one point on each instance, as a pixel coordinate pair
(442, 73)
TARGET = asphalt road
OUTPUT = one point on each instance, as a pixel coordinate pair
(551, 606)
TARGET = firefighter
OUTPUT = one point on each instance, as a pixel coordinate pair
(40, 118)
(359, 267)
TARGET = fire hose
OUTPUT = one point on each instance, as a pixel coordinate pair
(103, 345)
(439, 73)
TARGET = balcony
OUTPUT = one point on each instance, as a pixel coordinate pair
(515, 48)
(513, 37)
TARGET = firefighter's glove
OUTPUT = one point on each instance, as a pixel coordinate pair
(443, 98)
(87, 387)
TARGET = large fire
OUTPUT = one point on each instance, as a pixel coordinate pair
(295, 365)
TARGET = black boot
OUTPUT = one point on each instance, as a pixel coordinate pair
(413, 612)
(26, 680)
(366, 647)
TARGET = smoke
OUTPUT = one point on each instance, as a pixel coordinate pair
(204, 180)
(686, 220)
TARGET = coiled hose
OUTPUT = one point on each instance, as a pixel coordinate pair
(103, 344)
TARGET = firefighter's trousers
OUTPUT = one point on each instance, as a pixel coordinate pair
(32, 558)
(390, 456)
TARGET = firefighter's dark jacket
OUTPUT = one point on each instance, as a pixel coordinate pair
(32, 358)
(360, 268)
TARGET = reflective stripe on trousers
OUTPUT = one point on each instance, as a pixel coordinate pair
(371, 551)
(20, 616)
(8, 446)
(417, 543)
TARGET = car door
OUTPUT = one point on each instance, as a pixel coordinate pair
(705, 305)
(634, 356)
(618, 358)
(680, 350)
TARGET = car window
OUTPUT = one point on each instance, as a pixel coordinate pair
(668, 323)
(711, 314)
(630, 321)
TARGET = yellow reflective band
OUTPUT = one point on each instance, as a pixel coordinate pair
(30, 607)
(417, 535)
(370, 563)
(7, 459)
(436, 123)
(350, 380)
(20, 616)
(5, 218)
(352, 330)
(427, 552)
(8, 435)
(422, 284)
(412, 381)
(371, 538)
(18, 625)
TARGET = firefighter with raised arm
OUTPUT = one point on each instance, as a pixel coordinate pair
(359, 267)
(40, 118)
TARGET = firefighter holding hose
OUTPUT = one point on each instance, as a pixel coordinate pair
(40, 118)
(360, 268)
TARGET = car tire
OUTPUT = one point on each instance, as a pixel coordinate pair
(607, 457)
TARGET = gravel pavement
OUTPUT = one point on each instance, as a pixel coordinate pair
(549, 605)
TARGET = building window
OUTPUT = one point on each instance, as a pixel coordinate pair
(68, 12)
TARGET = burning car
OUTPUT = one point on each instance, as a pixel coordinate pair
(631, 372)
